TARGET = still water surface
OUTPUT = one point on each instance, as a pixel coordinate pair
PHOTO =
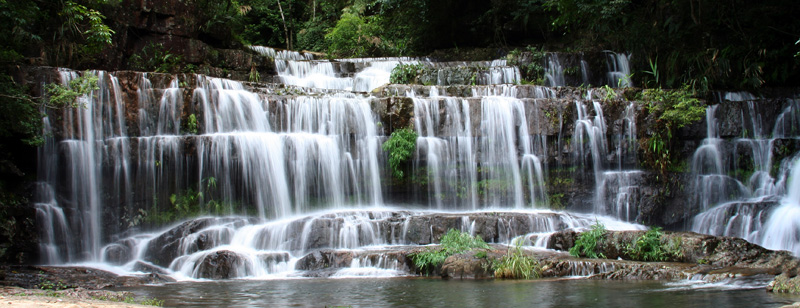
(426, 292)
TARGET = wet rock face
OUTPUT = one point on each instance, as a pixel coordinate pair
(117, 254)
(166, 247)
(223, 264)
(324, 259)
(326, 262)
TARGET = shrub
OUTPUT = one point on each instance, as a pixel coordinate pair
(453, 242)
(516, 265)
(587, 243)
(191, 125)
(649, 247)
(354, 36)
(406, 73)
(401, 146)
(675, 109)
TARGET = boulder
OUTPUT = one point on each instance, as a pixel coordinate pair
(784, 283)
(467, 265)
(222, 264)
(167, 246)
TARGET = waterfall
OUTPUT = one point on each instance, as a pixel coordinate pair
(447, 146)
(616, 187)
(285, 178)
(553, 72)
(512, 174)
(745, 201)
(619, 70)
(783, 225)
(311, 150)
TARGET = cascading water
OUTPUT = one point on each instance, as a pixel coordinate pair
(305, 171)
(553, 72)
(746, 202)
(619, 70)
(783, 224)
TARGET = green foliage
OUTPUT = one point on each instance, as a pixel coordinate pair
(653, 72)
(530, 62)
(20, 119)
(354, 36)
(516, 265)
(66, 96)
(154, 58)
(452, 243)
(588, 241)
(190, 203)
(650, 247)
(153, 302)
(674, 109)
(556, 201)
(254, 75)
(62, 33)
(401, 146)
(739, 45)
(130, 300)
(50, 288)
(406, 73)
(88, 23)
(191, 125)
(610, 93)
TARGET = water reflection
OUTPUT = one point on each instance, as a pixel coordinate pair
(426, 292)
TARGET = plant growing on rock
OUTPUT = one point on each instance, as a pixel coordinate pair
(674, 109)
(66, 96)
(516, 265)
(191, 125)
(452, 243)
(587, 244)
(406, 73)
(650, 247)
(401, 146)
(530, 62)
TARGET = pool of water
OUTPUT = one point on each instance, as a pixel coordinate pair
(429, 292)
